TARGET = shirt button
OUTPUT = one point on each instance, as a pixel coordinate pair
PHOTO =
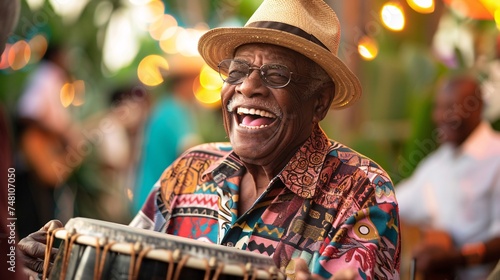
(230, 244)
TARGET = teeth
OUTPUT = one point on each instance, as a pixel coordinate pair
(256, 112)
(252, 127)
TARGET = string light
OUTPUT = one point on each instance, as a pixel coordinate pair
(392, 16)
(368, 48)
(422, 6)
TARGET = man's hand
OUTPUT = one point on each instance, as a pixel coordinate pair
(32, 249)
(302, 272)
(436, 262)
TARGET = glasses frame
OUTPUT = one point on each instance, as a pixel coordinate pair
(252, 68)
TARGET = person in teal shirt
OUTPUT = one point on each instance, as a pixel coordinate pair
(170, 130)
(171, 127)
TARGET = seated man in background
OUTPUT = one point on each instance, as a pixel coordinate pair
(280, 188)
(455, 191)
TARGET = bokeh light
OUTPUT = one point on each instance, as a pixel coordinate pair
(210, 78)
(67, 94)
(103, 13)
(79, 93)
(150, 70)
(169, 43)
(207, 97)
(35, 4)
(69, 11)
(392, 16)
(497, 18)
(4, 62)
(19, 55)
(368, 48)
(154, 10)
(207, 89)
(422, 6)
(121, 43)
(163, 28)
(187, 41)
(38, 45)
(477, 9)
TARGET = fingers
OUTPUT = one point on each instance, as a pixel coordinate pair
(33, 254)
(300, 271)
(30, 274)
(32, 248)
(53, 224)
(34, 265)
(346, 274)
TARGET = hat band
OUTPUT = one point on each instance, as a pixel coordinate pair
(287, 28)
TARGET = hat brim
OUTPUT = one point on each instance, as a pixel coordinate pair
(220, 43)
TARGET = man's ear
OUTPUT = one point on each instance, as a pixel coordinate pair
(324, 98)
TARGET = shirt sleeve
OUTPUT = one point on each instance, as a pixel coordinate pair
(410, 194)
(495, 225)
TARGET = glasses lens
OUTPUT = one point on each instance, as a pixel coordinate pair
(233, 71)
(276, 75)
(273, 75)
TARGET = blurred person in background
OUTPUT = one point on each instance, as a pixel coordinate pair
(119, 150)
(9, 15)
(453, 194)
(46, 133)
(172, 126)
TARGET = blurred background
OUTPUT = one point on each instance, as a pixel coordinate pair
(92, 90)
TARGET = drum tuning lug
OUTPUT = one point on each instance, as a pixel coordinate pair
(273, 271)
(103, 241)
(137, 246)
(212, 262)
(176, 255)
(248, 267)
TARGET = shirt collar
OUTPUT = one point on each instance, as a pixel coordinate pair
(300, 175)
(223, 168)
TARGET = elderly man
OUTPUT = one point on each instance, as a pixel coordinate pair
(280, 187)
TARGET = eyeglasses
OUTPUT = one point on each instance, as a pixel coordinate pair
(234, 72)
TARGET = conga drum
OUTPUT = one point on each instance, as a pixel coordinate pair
(93, 249)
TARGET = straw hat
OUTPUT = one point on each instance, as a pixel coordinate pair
(309, 27)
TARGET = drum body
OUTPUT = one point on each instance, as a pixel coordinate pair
(93, 249)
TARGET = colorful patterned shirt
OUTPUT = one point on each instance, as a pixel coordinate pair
(330, 206)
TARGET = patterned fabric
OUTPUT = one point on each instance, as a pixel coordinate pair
(330, 206)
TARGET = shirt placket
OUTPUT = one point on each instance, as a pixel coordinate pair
(240, 232)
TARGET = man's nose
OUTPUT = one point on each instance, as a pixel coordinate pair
(252, 84)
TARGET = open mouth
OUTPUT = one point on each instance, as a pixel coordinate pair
(254, 118)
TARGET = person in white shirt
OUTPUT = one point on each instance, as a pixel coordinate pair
(456, 189)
